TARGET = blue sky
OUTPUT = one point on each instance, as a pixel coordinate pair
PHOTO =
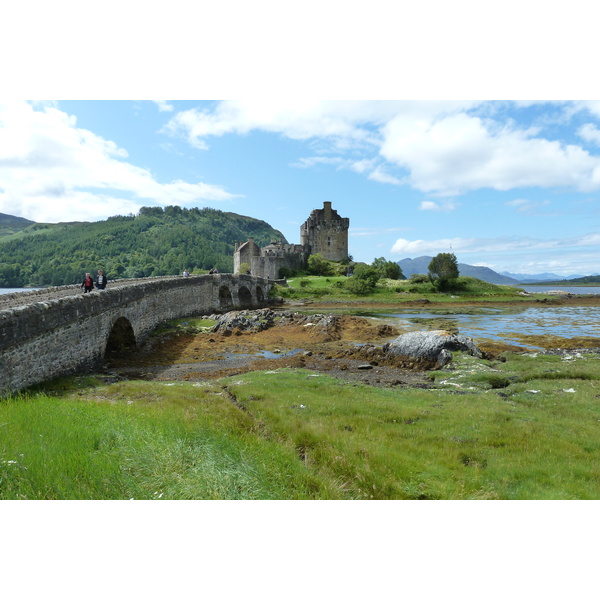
(512, 185)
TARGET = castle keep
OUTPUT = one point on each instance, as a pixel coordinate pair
(324, 232)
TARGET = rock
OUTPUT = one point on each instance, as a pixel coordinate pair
(244, 320)
(364, 367)
(430, 348)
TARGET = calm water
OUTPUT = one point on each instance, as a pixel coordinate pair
(11, 290)
(540, 289)
(507, 324)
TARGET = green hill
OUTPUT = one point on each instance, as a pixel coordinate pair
(587, 280)
(10, 225)
(155, 242)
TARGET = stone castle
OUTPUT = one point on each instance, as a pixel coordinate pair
(324, 232)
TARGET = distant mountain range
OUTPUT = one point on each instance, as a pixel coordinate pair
(421, 264)
(541, 277)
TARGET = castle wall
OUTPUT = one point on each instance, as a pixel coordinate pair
(324, 232)
(273, 258)
(245, 253)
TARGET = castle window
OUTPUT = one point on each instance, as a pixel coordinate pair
(328, 241)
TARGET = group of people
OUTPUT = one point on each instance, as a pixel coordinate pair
(88, 282)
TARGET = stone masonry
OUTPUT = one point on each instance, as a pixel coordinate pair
(324, 232)
(46, 337)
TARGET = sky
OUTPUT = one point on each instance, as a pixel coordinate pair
(511, 185)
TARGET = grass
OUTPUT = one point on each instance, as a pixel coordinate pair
(525, 428)
(466, 443)
(143, 441)
(397, 291)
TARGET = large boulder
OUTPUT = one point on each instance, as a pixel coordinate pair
(430, 349)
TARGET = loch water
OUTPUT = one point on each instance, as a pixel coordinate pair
(13, 290)
(510, 325)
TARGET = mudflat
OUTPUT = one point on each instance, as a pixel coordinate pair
(344, 346)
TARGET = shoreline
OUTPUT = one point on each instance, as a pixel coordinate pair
(566, 300)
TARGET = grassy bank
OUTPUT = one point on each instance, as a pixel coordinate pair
(332, 289)
(526, 428)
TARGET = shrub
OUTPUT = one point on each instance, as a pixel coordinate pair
(360, 287)
(419, 278)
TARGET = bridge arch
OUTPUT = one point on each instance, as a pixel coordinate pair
(121, 338)
(225, 298)
(244, 297)
(260, 295)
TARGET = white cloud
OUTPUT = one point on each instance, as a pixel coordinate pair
(379, 174)
(310, 161)
(489, 245)
(438, 206)
(590, 133)
(299, 120)
(374, 172)
(443, 146)
(363, 166)
(50, 170)
(457, 153)
(530, 207)
(425, 247)
(164, 106)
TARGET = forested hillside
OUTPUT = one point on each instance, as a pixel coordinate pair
(155, 242)
(10, 224)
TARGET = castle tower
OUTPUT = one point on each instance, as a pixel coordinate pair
(326, 233)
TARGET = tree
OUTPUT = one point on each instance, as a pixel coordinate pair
(317, 265)
(443, 271)
(387, 269)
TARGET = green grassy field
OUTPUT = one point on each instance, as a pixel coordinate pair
(526, 428)
(331, 289)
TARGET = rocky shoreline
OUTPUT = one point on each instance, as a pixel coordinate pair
(359, 349)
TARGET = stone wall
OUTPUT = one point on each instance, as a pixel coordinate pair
(60, 336)
(326, 233)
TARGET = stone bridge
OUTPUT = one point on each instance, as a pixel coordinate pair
(61, 331)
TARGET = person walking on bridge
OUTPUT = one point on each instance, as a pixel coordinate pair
(101, 280)
(88, 284)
